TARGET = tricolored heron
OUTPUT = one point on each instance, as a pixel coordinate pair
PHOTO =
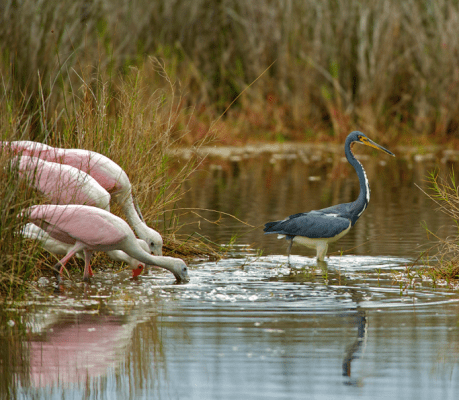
(317, 228)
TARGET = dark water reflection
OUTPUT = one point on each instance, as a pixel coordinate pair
(249, 326)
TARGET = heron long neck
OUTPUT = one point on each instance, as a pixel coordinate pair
(359, 205)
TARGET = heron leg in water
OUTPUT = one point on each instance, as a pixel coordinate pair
(322, 248)
(289, 248)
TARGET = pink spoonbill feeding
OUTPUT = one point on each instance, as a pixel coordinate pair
(64, 184)
(61, 183)
(90, 229)
(54, 246)
(105, 171)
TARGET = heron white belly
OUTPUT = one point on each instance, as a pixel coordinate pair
(320, 244)
(314, 242)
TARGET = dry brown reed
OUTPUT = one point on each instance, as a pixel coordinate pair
(389, 67)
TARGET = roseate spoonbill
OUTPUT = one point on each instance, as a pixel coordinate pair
(27, 145)
(90, 229)
(32, 231)
(316, 229)
(105, 171)
(61, 183)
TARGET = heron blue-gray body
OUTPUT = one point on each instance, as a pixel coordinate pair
(317, 228)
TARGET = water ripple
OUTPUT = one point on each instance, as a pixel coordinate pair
(342, 283)
(246, 281)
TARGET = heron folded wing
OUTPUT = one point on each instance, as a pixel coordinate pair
(313, 225)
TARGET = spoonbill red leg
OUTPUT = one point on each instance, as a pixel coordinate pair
(87, 265)
(63, 261)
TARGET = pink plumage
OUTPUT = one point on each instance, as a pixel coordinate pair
(91, 229)
(63, 184)
(105, 171)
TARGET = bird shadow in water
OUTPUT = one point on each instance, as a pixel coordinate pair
(355, 348)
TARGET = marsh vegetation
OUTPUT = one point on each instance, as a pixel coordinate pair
(441, 260)
(387, 67)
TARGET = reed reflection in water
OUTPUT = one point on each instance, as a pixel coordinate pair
(87, 355)
(256, 356)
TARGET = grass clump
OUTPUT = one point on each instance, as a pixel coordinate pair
(442, 259)
(17, 258)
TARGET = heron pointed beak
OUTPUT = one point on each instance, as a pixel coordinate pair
(369, 142)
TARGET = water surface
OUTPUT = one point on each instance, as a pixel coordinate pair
(251, 326)
(245, 327)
